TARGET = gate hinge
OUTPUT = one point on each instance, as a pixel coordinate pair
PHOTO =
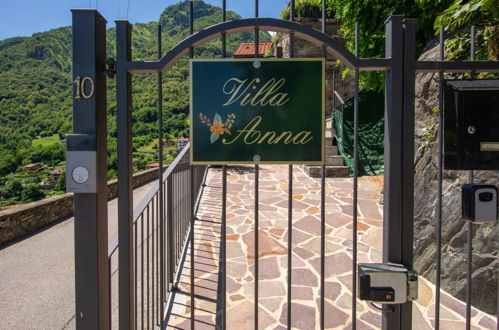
(110, 69)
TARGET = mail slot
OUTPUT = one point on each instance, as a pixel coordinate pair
(471, 121)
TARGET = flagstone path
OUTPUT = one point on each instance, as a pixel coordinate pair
(272, 256)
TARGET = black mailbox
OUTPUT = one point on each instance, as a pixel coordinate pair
(471, 124)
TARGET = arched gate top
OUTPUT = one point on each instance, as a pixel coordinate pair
(316, 37)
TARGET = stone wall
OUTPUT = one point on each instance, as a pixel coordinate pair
(303, 49)
(22, 220)
(485, 236)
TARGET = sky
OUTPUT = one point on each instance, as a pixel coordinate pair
(25, 17)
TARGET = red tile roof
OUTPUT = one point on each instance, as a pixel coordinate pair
(152, 165)
(33, 166)
(247, 49)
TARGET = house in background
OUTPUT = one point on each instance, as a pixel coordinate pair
(181, 143)
(152, 165)
(33, 167)
(247, 49)
(55, 174)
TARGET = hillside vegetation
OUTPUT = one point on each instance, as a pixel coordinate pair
(454, 16)
(36, 104)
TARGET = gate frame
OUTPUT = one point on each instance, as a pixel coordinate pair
(399, 146)
(400, 66)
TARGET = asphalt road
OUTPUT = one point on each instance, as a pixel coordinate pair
(37, 275)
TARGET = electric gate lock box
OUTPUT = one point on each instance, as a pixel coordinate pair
(387, 283)
(479, 203)
(471, 121)
(81, 163)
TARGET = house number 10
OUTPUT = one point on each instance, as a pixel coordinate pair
(80, 87)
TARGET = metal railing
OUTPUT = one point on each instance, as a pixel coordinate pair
(341, 103)
(338, 105)
(154, 237)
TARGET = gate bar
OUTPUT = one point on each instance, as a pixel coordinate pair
(257, 37)
(290, 242)
(224, 202)
(155, 282)
(457, 66)
(154, 253)
(191, 27)
(290, 195)
(469, 229)
(170, 246)
(161, 307)
(473, 43)
(469, 265)
(136, 287)
(142, 267)
(249, 24)
(150, 288)
(150, 213)
(355, 183)
(323, 199)
(125, 193)
(257, 174)
(323, 243)
(224, 247)
(191, 173)
(224, 36)
(291, 32)
(183, 217)
(439, 183)
(191, 234)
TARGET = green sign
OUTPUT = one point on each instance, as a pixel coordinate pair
(257, 111)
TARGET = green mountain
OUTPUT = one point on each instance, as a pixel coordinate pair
(36, 104)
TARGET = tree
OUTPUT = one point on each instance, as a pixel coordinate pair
(371, 16)
(146, 115)
(12, 189)
(310, 8)
(61, 183)
(457, 19)
(51, 154)
(8, 163)
(32, 192)
(455, 15)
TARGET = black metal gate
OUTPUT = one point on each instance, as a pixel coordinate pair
(152, 238)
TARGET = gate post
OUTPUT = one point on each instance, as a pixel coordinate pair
(125, 187)
(398, 210)
(90, 188)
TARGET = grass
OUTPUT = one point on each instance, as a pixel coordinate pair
(46, 141)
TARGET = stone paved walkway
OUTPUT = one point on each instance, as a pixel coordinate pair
(306, 256)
